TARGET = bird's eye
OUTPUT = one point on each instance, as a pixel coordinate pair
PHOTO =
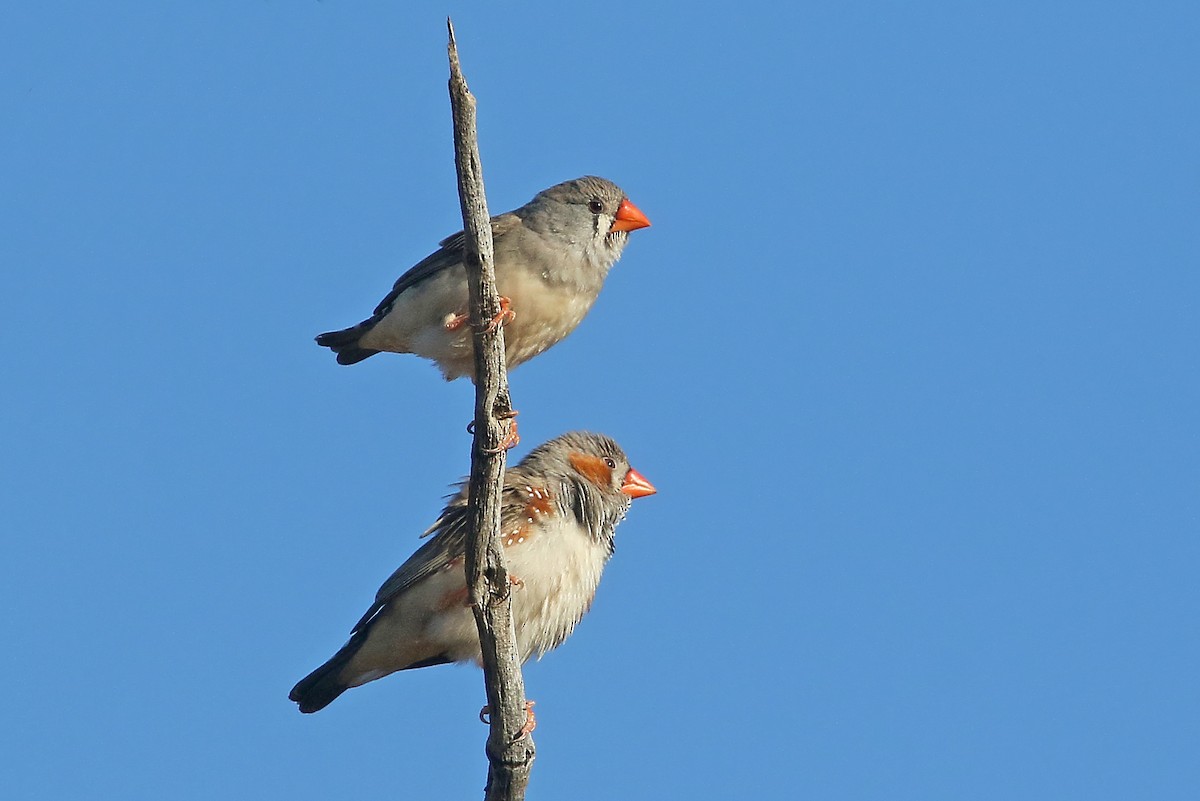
(595, 207)
(611, 464)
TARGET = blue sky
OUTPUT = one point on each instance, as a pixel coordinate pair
(910, 352)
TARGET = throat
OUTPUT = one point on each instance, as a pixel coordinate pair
(597, 516)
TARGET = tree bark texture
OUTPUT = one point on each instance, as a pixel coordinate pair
(510, 753)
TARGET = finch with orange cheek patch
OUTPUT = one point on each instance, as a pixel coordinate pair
(551, 257)
(559, 511)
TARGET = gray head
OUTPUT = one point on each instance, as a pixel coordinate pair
(595, 479)
(589, 212)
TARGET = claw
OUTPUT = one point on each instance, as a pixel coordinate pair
(530, 719)
(511, 437)
(507, 315)
(504, 317)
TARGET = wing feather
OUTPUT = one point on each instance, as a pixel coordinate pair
(447, 543)
(448, 255)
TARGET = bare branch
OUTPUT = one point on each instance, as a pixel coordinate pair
(510, 752)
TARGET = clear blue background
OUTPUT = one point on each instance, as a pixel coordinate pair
(910, 352)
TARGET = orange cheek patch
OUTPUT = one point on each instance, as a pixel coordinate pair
(592, 468)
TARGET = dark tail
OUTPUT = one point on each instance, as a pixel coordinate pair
(317, 690)
(345, 342)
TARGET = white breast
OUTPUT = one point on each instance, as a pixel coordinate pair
(546, 313)
(559, 568)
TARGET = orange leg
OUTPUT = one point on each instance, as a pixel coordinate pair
(506, 315)
(530, 718)
(511, 437)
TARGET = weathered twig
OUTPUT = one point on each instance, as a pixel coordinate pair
(510, 753)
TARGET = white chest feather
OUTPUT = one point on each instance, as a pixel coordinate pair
(546, 314)
(559, 569)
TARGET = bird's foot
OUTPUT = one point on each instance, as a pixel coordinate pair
(530, 720)
(527, 728)
(505, 316)
(511, 437)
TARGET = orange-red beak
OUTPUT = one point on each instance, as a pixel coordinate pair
(629, 218)
(635, 485)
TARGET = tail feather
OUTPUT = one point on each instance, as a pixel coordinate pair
(345, 343)
(318, 689)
